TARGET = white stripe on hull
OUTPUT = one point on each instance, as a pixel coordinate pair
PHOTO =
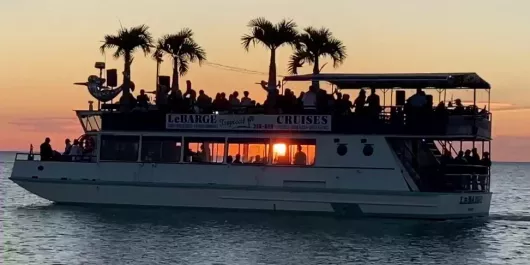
(415, 205)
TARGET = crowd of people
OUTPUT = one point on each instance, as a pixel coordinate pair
(315, 100)
(468, 157)
(72, 152)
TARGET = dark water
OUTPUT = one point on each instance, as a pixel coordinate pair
(37, 232)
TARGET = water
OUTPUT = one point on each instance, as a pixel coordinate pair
(38, 232)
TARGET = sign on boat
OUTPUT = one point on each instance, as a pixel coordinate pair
(249, 122)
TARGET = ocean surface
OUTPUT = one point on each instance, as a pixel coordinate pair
(34, 231)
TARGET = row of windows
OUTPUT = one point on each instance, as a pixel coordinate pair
(209, 150)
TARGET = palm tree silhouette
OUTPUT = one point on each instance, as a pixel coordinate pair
(272, 36)
(315, 43)
(184, 50)
(126, 42)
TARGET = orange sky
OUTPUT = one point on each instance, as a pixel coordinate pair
(49, 44)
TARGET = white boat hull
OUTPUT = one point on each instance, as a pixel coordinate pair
(345, 203)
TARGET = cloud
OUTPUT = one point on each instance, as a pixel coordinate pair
(499, 106)
(496, 106)
(45, 124)
(509, 108)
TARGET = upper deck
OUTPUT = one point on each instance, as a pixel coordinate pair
(396, 119)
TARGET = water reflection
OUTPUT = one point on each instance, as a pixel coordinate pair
(263, 237)
(37, 232)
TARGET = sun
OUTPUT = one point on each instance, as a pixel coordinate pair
(279, 149)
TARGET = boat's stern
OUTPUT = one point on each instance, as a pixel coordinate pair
(465, 204)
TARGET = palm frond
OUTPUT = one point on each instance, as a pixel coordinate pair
(192, 51)
(286, 33)
(183, 66)
(320, 42)
(268, 34)
(260, 29)
(127, 40)
(182, 48)
(297, 60)
(158, 54)
(337, 51)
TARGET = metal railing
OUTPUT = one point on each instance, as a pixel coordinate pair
(62, 158)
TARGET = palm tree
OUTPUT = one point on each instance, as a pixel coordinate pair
(313, 44)
(184, 50)
(126, 42)
(272, 36)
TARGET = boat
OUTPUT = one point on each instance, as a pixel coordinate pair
(388, 165)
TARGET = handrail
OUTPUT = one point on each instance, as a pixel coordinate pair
(451, 148)
(411, 169)
(63, 158)
(465, 165)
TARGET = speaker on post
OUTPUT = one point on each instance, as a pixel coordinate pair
(400, 97)
(164, 80)
(112, 78)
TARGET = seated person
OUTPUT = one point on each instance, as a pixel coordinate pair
(486, 161)
(143, 100)
(300, 157)
(238, 159)
(46, 151)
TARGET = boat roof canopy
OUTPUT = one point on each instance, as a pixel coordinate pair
(405, 81)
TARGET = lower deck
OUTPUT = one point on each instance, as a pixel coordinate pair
(341, 174)
(355, 204)
(349, 162)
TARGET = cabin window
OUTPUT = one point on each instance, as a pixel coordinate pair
(161, 149)
(204, 149)
(248, 150)
(298, 152)
(119, 148)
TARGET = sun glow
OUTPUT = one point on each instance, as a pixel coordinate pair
(279, 149)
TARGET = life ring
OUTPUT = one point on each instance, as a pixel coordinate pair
(88, 142)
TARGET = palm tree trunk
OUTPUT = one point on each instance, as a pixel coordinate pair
(272, 71)
(127, 101)
(175, 81)
(127, 75)
(157, 85)
(316, 71)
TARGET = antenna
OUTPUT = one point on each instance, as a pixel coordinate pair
(119, 21)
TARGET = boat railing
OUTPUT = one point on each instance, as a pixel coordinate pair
(465, 177)
(88, 158)
(467, 182)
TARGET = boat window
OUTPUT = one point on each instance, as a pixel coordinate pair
(299, 152)
(250, 150)
(119, 148)
(204, 149)
(91, 123)
(161, 149)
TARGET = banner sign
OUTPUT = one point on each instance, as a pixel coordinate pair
(249, 122)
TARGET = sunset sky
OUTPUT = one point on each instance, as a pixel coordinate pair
(49, 44)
